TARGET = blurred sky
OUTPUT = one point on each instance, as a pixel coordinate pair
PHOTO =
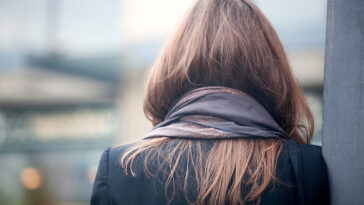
(84, 26)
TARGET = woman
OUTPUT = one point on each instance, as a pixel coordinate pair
(231, 124)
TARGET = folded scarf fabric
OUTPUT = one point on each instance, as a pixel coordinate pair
(216, 112)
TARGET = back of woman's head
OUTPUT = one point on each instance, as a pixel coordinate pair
(228, 43)
(222, 43)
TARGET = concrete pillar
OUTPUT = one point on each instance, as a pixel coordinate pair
(343, 128)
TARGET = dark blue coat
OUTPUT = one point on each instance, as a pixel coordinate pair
(299, 165)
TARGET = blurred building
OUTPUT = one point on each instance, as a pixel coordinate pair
(60, 78)
(72, 78)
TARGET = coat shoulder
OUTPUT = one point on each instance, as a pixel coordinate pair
(311, 157)
(117, 152)
(314, 175)
(311, 149)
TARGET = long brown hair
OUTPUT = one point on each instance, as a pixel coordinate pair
(225, 43)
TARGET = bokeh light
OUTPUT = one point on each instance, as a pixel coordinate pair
(91, 174)
(31, 178)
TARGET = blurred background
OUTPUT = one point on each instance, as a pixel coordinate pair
(72, 75)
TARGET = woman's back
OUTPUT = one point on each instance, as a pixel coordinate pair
(224, 104)
(113, 186)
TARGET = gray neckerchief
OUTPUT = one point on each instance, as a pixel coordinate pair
(216, 112)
